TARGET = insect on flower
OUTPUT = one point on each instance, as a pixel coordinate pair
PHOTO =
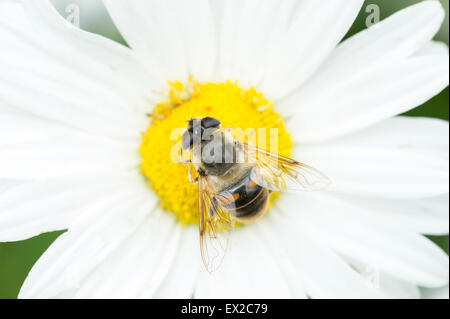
(235, 180)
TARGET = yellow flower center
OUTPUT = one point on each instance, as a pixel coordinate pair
(233, 106)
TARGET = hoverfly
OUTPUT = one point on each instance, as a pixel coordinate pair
(234, 181)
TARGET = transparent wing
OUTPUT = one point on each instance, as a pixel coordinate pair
(277, 173)
(215, 225)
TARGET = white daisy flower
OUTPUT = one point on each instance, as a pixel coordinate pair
(79, 153)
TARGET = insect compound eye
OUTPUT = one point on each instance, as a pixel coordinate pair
(187, 139)
(209, 122)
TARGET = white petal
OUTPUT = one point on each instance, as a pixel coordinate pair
(181, 280)
(435, 293)
(367, 98)
(152, 32)
(371, 76)
(139, 266)
(245, 36)
(19, 126)
(177, 37)
(98, 233)
(98, 54)
(318, 270)
(197, 27)
(425, 215)
(399, 158)
(248, 271)
(86, 81)
(31, 148)
(398, 289)
(389, 286)
(395, 251)
(33, 208)
(392, 39)
(278, 241)
(307, 43)
(433, 48)
(6, 184)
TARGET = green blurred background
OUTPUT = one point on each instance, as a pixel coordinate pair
(17, 258)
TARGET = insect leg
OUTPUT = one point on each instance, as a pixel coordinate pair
(192, 180)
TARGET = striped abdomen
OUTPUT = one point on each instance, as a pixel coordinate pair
(248, 200)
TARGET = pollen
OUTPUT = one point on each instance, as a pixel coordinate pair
(233, 106)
